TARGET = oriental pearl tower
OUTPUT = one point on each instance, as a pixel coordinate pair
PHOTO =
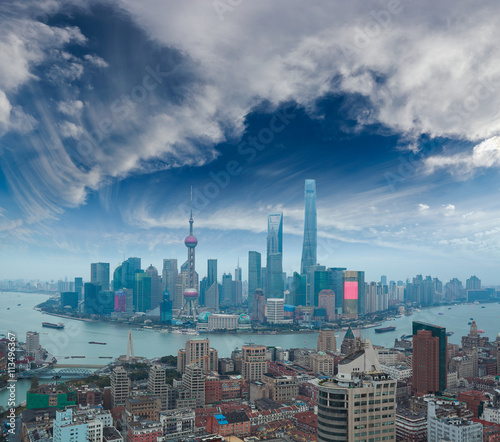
(191, 291)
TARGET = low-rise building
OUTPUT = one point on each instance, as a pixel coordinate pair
(146, 406)
(223, 322)
(235, 423)
(144, 431)
(322, 363)
(306, 422)
(411, 427)
(178, 423)
(281, 388)
(398, 372)
(491, 414)
(453, 429)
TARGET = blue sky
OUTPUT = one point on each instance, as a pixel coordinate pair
(111, 110)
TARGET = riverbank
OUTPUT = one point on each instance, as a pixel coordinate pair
(64, 316)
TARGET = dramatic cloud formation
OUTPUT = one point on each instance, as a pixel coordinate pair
(110, 111)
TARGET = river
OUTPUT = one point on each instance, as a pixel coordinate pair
(74, 339)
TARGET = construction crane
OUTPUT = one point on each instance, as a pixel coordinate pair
(199, 359)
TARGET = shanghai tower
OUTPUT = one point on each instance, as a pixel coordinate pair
(310, 245)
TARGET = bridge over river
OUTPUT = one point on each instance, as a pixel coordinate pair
(63, 373)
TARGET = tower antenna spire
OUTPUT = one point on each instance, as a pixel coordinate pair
(191, 201)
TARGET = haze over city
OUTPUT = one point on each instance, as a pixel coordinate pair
(111, 111)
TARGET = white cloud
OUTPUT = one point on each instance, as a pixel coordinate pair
(5, 108)
(96, 60)
(423, 207)
(414, 66)
(70, 130)
(70, 107)
(484, 155)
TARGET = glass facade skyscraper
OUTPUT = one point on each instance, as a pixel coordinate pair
(254, 276)
(211, 272)
(274, 279)
(310, 245)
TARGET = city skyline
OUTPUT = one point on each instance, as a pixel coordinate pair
(99, 143)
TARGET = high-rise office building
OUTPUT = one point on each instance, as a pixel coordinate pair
(99, 274)
(299, 289)
(193, 381)
(227, 289)
(124, 274)
(359, 403)
(211, 272)
(327, 341)
(169, 275)
(79, 287)
(120, 301)
(237, 286)
(254, 276)
(253, 362)
(274, 265)
(69, 300)
(91, 298)
(32, 343)
(337, 285)
(106, 302)
(212, 296)
(275, 310)
(199, 352)
(120, 386)
(326, 300)
(142, 294)
(259, 306)
(166, 308)
(354, 293)
(429, 358)
(156, 284)
(309, 247)
(318, 279)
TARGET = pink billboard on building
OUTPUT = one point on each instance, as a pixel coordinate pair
(351, 290)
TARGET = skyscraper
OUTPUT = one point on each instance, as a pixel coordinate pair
(79, 287)
(274, 280)
(211, 272)
(237, 291)
(124, 274)
(299, 289)
(429, 358)
(156, 292)
(227, 289)
(354, 293)
(90, 297)
(166, 308)
(254, 276)
(169, 275)
(99, 274)
(120, 386)
(309, 247)
(142, 295)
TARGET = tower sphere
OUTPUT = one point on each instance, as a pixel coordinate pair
(190, 293)
(191, 241)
